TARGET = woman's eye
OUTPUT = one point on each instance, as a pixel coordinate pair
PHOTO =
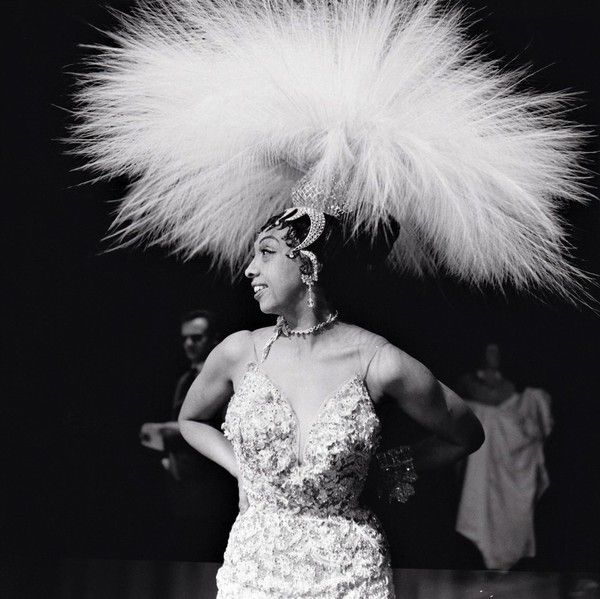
(264, 251)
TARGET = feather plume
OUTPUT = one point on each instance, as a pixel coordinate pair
(216, 109)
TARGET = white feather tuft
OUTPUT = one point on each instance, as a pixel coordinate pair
(207, 104)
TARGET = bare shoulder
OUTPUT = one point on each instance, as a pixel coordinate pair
(386, 355)
(362, 338)
(395, 370)
(243, 347)
(401, 361)
(233, 351)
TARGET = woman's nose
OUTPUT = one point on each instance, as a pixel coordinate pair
(250, 271)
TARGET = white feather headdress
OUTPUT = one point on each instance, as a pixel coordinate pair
(216, 109)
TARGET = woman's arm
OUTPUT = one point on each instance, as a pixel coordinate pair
(211, 389)
(456, 432)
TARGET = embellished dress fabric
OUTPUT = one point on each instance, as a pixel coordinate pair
(304, 533)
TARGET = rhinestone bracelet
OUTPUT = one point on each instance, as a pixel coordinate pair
(397, 474)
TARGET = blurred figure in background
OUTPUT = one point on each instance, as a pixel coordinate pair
(506, 476)
(487, 385)
(198, 336)
(198, 525)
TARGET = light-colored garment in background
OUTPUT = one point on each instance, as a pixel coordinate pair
(505, 477)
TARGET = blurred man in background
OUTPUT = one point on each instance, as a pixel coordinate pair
(198, 525)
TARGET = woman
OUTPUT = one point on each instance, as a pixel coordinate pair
(223, 111)
(301, 430)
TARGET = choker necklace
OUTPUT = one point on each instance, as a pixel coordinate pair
(285, 327)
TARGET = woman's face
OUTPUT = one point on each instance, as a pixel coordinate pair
(274, 277)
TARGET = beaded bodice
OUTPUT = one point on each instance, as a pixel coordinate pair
(330, 474)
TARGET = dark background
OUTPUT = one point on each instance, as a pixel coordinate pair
(92, 338)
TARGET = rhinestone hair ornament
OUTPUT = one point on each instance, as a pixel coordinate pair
(313, 201)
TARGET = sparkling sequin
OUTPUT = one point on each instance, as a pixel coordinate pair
(304, 534)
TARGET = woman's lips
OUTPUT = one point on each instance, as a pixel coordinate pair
(259, 291)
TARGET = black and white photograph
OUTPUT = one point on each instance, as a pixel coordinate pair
(303, 299)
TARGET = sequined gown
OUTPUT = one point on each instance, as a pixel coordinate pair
(304, 533)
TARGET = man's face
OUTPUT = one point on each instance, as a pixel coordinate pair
(197, 339)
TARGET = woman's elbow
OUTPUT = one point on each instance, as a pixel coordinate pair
(188, 423)
(185, 423)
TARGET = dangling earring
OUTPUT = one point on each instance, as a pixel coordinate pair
(312, 278)
(309, 282)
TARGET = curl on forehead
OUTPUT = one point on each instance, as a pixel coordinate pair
(284, 220)
(292, 232)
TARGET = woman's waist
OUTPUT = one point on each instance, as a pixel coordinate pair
(276, 521)
(304, 495)
(309, 535)
(335, 512)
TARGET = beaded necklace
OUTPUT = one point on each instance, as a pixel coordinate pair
(283, 328)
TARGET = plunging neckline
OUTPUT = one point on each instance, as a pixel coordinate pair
(301, 454)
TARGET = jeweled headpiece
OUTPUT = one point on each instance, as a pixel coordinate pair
(205, 104)
(314, 201)
(309, 195)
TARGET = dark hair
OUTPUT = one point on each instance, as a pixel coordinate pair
(338, 249)
(210, 317)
